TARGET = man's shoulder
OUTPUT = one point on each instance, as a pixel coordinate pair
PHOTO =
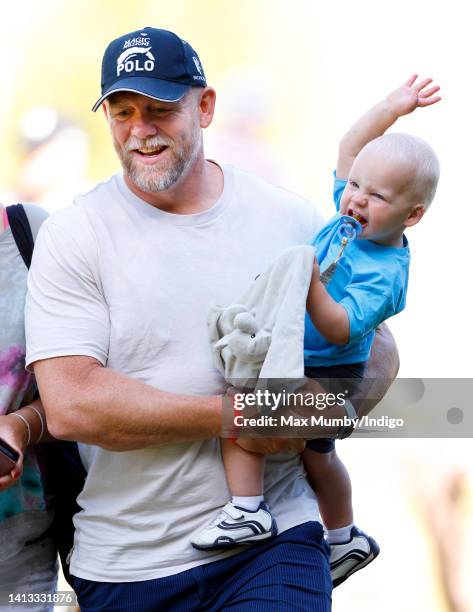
(275, 200)
(245, 180)
(76, 215)
(96, 195)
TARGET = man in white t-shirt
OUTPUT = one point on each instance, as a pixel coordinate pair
(119, 292)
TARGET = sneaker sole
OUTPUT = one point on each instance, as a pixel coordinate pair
(371, 557)
(226, 542)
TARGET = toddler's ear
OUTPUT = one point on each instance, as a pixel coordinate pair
(415, 215)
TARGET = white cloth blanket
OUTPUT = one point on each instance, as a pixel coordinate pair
(262, 335)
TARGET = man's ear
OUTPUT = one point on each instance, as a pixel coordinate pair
(105, 109)
(415, 215)
(206, 103)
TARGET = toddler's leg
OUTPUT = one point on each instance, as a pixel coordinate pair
(331, 482)
(244, 472)
(350, 548)
(246, 519)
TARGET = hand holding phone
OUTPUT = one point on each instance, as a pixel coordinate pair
(13, 441)
(8, 458)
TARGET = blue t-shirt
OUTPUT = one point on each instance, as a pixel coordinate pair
(370, 282)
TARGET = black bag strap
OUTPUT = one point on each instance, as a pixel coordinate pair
(21, 231)
(65, 472)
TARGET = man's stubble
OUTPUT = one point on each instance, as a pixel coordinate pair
(161, 175)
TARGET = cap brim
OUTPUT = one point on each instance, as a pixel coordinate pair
(164, 91)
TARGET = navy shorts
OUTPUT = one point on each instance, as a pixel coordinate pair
(287, 573)
(352, 373)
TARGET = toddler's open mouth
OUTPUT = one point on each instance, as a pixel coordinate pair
(356, 215)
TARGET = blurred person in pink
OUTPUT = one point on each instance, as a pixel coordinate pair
(27, 552)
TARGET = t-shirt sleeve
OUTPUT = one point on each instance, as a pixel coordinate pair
(338, 189)
(366, 309)
(66, 313)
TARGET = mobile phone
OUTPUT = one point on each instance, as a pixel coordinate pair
(8, 458)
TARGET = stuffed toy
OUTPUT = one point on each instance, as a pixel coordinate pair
(261, 336)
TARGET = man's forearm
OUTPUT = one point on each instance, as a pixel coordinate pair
(95, 405)
(382, 369)
(86, 402)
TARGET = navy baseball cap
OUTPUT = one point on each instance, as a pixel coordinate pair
(152, 62)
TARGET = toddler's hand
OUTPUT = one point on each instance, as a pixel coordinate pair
(412, 95)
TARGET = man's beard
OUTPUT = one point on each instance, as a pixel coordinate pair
(163, 174)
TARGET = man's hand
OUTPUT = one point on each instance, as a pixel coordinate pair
(263, 446)
(269, 446)
(412, 95)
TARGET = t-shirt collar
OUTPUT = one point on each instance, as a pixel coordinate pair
(184, 220)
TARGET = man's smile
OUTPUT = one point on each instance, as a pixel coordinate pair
(150, 154)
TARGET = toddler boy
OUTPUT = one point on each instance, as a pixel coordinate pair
(386, 183)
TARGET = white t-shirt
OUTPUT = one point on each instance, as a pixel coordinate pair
(116, 279)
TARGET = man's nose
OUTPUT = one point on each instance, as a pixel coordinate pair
(142, 127)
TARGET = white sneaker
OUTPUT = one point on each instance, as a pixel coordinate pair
(235, 525)
(351, 556)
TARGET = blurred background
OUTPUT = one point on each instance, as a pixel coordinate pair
(290, 78)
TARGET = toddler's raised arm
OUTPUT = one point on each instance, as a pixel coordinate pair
(383, 115)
